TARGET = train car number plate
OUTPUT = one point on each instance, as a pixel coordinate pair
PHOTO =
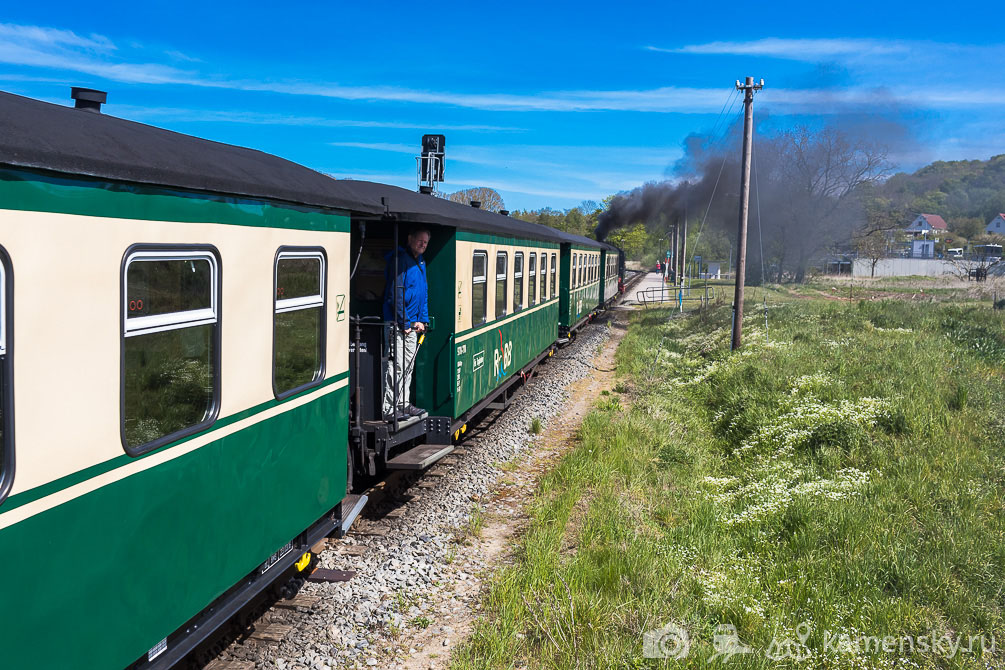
(275, 558)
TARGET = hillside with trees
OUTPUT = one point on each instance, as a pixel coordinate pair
(967, 194)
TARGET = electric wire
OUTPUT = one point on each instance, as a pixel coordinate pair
(760, 239)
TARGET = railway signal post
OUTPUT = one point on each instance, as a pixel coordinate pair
(748, 88)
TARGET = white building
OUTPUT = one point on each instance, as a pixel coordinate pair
(996, 226)
(923, 249)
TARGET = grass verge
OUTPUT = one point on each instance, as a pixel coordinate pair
(831, 498)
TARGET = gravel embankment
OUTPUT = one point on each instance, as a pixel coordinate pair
(408, 576)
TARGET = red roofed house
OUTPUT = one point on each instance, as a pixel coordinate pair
(927, 224)
(996, 226)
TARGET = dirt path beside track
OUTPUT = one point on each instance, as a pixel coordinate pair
(504, 517)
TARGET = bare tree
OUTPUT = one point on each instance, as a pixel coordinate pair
(818, 174)
(488, 197)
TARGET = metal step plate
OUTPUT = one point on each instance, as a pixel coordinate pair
(420, 457)
(352, 505)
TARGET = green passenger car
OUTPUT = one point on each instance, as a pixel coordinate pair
(175, 420)
(580, 289)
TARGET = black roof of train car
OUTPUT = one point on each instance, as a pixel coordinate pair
(418, 208)
(44, 136)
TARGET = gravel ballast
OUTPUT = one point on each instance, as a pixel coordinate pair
(410, 565)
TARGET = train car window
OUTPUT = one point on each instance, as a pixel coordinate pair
(574, 281)
(518, 281)
(6, 379)
(170, 350)
(502, 270)
(544, 277)
(298, 326)
(479, 274)
(532, 280)
(582, 269)
(554, 274)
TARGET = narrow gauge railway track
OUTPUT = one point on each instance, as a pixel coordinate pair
(268, 622)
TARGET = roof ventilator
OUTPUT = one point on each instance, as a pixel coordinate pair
(89, 99)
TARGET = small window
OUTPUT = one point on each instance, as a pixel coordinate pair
(479, 263)
(532, 280)
(170, 369)
(518, 281)
(6, 379)
(298, 325)
(502, 270)
(554, 274)
(544, 277)
(575, 277)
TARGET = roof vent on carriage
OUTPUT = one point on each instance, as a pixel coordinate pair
(89, 99)
(504, 212)
(476, 204)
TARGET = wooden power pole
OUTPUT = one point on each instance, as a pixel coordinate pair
(748, 89)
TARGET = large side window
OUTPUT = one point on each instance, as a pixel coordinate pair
(298, 345)
(544, 277)
(554, 275)
(6, 378)
(502, 269)
(518, 281)
(532, 280)
(479, 278)
(170, 351)
(575, 277)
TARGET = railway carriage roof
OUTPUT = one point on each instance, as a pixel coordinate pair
(411, 207)
(41, 135)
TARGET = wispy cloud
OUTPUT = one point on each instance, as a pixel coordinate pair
(796, 49)
(53, 37)
(37, 46)
(277, 119)
(377, 146)
(98, 56)
(178, 55)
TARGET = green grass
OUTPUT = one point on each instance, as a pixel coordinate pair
(843, 476)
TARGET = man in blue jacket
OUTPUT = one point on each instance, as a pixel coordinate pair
(409, 314)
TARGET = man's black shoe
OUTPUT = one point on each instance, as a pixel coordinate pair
(412, 410)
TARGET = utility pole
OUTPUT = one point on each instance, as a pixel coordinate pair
(748, 88)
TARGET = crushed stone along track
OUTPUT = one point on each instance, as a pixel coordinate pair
(407, 549)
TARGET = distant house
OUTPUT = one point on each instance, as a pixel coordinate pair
(996, 226)
(927, 224)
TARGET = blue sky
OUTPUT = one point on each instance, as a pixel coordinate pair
(550, 104)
